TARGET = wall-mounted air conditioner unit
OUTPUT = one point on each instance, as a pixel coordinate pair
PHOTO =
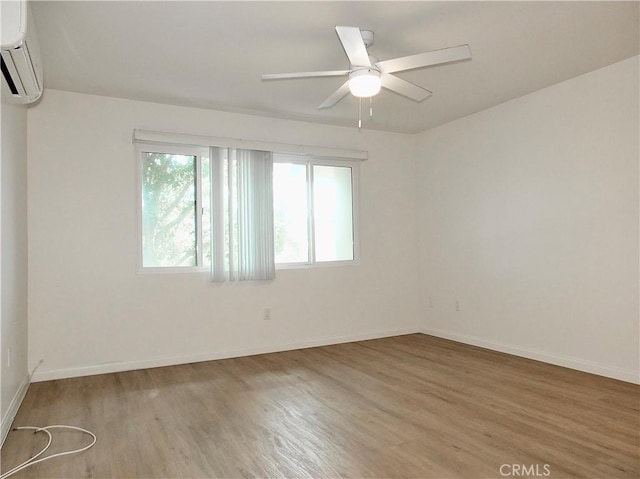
(21, 61)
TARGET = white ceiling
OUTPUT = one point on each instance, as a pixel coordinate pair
(211, 54)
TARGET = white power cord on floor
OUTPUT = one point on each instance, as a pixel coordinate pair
(34, 459)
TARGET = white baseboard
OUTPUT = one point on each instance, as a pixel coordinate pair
(12, 410)
(114, 367)
(564, 361)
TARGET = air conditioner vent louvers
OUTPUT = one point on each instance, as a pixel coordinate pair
(7, 77)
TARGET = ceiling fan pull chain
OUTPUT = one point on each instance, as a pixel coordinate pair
(370, 107)
(360, 114)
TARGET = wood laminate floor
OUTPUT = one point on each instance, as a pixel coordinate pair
(408, 406)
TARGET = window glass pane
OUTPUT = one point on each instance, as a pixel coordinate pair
(206, 211)
(168, 210)
(333, 213)
(290, 213)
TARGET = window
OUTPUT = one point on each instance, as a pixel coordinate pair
(174, 208)
(314, 211)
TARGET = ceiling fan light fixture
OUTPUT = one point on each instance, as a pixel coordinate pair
(365, 83)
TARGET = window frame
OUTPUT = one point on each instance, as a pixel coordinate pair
(310, 162)
(201, 152)
(186, 150)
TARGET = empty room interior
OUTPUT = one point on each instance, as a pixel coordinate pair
(320, 239)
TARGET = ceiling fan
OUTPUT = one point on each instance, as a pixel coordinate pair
(367, 75)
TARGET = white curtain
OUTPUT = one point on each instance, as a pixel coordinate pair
(242, 215)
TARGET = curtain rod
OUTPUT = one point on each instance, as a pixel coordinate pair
(148, 136)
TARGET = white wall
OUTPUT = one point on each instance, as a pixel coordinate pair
(529, 218)
(89, 310)
(526, 214)
(13, 261)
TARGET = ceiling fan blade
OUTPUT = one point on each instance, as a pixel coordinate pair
(335, 97)
(354, 46)
(421, 60)
(284, 76)
(404, 88)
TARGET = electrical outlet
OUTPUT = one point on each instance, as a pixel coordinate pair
(267, 314)
(457, 305)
